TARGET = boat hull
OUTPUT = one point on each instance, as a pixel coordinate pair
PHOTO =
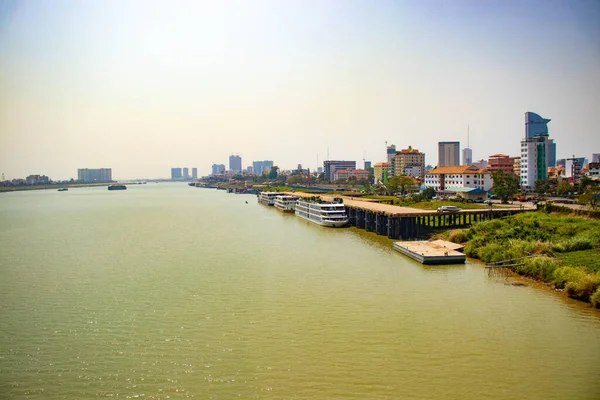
(329, 224)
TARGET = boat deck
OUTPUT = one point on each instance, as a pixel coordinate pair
(434, 252)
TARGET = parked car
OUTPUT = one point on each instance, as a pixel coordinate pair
(448, 209)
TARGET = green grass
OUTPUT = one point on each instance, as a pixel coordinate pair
(567, 249)
(590, 259)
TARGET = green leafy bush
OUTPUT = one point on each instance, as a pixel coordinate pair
(595, 298)
(584, 287)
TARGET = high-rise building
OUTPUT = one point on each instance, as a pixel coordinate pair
(87, 175)
(409, 162)
(218, 169)
(448, 154)
(332, 166)
(262, 166)
(595, 157)
(194, 173)
(391, 152)
(176, 173)
(467, 154)
(367, 164)
(186, 173)
(538, 151)
(235, 163)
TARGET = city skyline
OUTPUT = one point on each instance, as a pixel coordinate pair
(144, 88)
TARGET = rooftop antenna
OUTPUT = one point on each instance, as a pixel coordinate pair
(386, 151)
(327, 153)
(468, 136)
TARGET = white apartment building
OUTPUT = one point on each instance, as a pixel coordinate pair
(458, 177)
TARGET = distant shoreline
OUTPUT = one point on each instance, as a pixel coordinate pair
(52, 186)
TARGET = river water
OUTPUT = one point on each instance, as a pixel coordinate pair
(167, 291)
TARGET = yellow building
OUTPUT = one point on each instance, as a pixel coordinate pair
(409, 162)
(378, 169)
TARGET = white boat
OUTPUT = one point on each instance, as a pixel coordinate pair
(286, 203)
(331, 214)
(268, 198)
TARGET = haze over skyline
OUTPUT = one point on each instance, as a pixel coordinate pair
(141, 87)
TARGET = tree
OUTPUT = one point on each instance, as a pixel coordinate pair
(428, 193)
(505, 185)
(591, 197)
(542, 186)
(584, 182)
(273, 172)
(564, 188)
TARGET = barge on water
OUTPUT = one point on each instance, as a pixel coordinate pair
(117, 187)
(432, 252)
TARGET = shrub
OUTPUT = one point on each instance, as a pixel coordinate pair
(584, 287)
(564, 275)
(573, 244)
(492, 252)
(595, 298)
(459, 236)
(538, 267)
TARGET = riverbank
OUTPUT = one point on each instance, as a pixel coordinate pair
(56, 186)
(563, 250)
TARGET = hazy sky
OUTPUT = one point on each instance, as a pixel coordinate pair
(143, 86)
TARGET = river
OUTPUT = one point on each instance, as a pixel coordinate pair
(168, 291)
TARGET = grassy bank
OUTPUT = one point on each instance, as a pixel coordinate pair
(566, 249)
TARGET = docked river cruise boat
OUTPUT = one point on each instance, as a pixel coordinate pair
(268, 198)
(286, 203)
(325, 214)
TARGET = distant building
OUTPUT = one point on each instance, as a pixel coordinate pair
(347, 173)
(481, 164)
(262, 166)
(467, 154)
(517, 165)
(573, 167)
(444, 179)
(250, 170)
(87, 175)
(37, 180)
(409, 162)
(331, 166)
(218, 169)
(176, 173)
(194, 173)
(596, 158)
(538, 151)
(367, 164)
(235, 163)
(391, 152)
(501, 162)
(448, 154)
(186, 173)
(379, 169)
(594, 169)
(319, 170)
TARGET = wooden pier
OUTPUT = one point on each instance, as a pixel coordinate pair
(407, 223)
(432, 252)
